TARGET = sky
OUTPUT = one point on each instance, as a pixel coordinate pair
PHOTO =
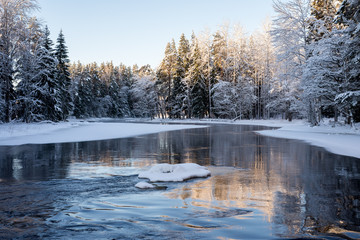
(136, 31)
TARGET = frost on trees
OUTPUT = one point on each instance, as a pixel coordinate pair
(289, 36)
(348, 17)
(14, 20)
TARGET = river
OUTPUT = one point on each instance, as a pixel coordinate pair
(260, 188)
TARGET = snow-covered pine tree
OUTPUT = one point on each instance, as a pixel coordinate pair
(126, 79)
(63, 77)
(323, 74)
(321, 20)
(79, 75)
(99, 100)
(175, 72)
(50, 62)
(218, 53)
(14, 19)
(178, 95)
(164, 75)
(184, 52)
(33, 74)
(349, 94)
(224, 99)
(323, 66)
(205, 42)
(197, 90)
(176, 102)
(144, 97)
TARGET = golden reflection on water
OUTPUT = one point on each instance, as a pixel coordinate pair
(231, 187)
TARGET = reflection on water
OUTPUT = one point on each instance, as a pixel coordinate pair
(260, 188)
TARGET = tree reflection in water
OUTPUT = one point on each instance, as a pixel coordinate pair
(299, 190)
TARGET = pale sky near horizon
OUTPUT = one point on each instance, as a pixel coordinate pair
(136, 31)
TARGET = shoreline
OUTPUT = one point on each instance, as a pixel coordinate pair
(342, 140)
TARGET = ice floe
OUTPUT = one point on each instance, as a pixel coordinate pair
(175, 172)
(145, 185)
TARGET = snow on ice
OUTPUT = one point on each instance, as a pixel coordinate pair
(76, 131)
(175, 172)
(145, 185)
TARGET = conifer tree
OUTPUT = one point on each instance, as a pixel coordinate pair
(165, 74)
(63, 77)
(218, 53)
(177, 98)
(322, 18)
(50, 62)
(79, 75)
(184, 52)
(198, 90)
(34, 74)
(349, 95)
(30, 91)
(13, 23)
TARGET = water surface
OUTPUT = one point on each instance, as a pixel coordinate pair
(260, 188)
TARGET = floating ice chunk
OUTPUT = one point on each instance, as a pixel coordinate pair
(144, 185)
(174, 172)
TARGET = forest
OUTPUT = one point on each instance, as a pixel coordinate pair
(303, 64)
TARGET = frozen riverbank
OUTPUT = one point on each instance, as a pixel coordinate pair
(77, 131)
(343, 140)
(339, 139)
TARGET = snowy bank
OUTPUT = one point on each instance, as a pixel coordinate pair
(339, 139)
(175, 172)
(77, 131)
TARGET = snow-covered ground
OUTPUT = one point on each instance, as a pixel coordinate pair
(339, 139)
(77, 131)
(343, 140)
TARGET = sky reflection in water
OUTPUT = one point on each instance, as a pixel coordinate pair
(260, 187)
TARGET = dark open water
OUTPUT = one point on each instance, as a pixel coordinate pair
(261, 188)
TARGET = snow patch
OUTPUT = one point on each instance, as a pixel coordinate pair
(174, 172)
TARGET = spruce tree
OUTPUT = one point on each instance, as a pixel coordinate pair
(30, 91)
(319, 80)
(13, 26)
(63, 77)
(218, 54)
(349, 96)
(34, 75)
(79, 75)
(198, 90)
(177, 98)
(50, 62)
(184, 52)
(164, 77)
(322, 19)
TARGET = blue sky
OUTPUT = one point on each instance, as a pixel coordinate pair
(136, 31)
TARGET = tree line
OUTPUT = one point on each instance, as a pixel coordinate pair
(318, 56)
(304, 64)
(34, 75)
